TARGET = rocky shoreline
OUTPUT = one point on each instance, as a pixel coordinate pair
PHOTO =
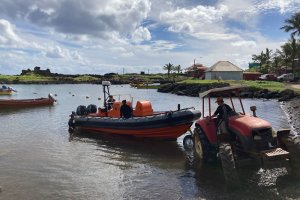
(292, 109)
(290, 100)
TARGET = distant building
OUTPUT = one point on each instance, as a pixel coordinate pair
(251, 75)
(37, 70)
(196, 71)
(224, 70)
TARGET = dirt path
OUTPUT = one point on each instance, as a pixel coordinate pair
(294, 85)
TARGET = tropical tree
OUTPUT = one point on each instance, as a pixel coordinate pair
(276, 60)
(263, 59)
(286, 53)
(257, 59)
(294, 51)
(169, 67)
(178, 69)
(267, 56)
(293, 24)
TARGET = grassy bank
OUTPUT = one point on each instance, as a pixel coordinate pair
(257, 85)
(32, 77)
(143, 80)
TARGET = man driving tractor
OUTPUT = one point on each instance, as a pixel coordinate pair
(222, 113)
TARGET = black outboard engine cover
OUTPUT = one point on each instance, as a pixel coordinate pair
(81, 110)
(92, 108)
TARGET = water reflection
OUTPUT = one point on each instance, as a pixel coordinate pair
(131, 150)
(144, 160)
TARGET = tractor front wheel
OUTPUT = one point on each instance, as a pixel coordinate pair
(198, 146)
(228, 164)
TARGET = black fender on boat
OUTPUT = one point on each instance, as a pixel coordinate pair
(170, 118)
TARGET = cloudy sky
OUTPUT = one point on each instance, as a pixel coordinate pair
(102, 36)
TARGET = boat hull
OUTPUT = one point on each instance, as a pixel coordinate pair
(169, 125)
(5, 92)
(21, 103)
(169, 132)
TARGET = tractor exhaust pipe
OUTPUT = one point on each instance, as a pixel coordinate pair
(253, 109)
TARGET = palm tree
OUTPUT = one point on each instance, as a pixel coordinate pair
(178, 69)
(294, 51)
(261, 59)
(169, 67)
(292, 24)
(286, 53)
(268, 56)
(257, 59)
(276, 59)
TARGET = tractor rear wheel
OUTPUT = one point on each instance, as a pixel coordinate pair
(228, 164)
(292, 145)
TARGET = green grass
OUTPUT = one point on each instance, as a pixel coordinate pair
(7, 77)
(270, 85)
(34, 78)
(197, 81)
(85, 78)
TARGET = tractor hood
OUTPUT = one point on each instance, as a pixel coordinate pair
(244, 124)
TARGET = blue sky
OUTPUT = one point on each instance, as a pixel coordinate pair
(102, 36)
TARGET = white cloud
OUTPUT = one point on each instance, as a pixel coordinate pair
(216, 36)
(107, 35)
(184, 27)
(58, 52)
(141, 34)
(200, 15)
(283, 6)
(7, 35)
(247, 44)
(81, 17)
(202, 22)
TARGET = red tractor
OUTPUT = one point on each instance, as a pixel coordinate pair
(249, 137)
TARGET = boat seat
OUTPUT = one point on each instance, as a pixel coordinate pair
(143, 108)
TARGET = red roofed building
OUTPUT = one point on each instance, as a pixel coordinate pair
(196, 70)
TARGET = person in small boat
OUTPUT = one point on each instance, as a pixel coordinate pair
(110, 102)
(222, 113)
(125, 110)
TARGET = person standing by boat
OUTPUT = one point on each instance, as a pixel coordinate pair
(110, 102)
(125, 110)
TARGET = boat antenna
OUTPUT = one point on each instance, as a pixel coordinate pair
(105, 85)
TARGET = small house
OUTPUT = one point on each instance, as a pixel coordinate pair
(224, 70)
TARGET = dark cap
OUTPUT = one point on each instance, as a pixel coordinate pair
(124, 101)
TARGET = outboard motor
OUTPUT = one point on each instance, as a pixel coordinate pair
(81, 110)
(92, 108)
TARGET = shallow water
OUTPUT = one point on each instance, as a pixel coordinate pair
(39, 160)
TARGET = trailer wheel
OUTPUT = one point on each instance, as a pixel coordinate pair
(188, 143)
(228, 164)
(292, 145)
